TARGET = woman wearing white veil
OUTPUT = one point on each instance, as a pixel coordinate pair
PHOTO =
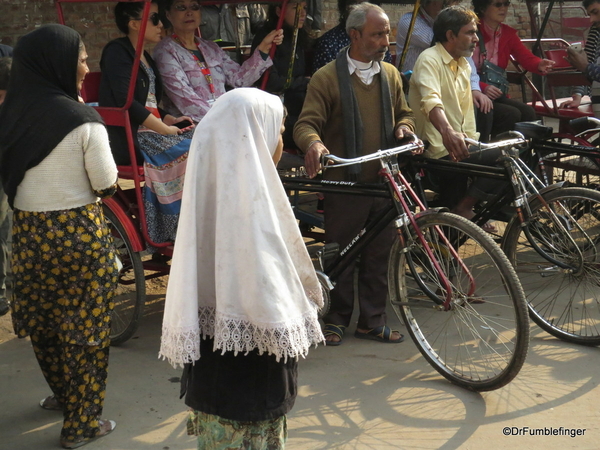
(242, 298)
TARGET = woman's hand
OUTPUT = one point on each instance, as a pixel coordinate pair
(574, 103)
(545, 66)
(492, 92)
(171, 130)
(274, 37)
(171, 120)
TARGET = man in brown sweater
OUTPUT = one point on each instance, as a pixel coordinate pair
(355, 106)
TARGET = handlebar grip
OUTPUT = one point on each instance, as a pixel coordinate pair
(581, 122)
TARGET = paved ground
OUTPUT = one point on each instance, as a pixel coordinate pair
(361, 395)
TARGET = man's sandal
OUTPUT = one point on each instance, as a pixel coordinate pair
(334, 330)
(382, 333)
(50, 403)
(106, 427)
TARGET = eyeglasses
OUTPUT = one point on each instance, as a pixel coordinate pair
(153, 18)
(192, 7)
(501, 4)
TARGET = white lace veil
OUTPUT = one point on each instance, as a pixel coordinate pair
(240, 271)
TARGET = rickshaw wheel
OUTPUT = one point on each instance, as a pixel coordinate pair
(130, 297)
(574, 169)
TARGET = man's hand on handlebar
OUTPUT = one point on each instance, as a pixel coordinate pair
(312, 158)
(402, 133)
(455, 144)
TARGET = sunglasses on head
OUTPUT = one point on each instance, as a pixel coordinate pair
(501, 4)
(192, 7)
(153, 18)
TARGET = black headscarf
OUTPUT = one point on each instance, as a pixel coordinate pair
(41, 105)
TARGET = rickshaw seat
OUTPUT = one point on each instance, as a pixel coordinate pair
(584, 110)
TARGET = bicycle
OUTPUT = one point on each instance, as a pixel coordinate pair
(552, 239)
(449, 282)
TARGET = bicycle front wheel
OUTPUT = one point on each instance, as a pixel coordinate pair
(480, 342)
(557, 257)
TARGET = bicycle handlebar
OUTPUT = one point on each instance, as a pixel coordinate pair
(520, 139)
(379, 154)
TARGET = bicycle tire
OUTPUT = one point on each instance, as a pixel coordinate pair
(130, 298)
(566, 305)
(481, 342)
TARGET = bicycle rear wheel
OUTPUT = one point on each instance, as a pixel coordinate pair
(560, 276)
(481, 342)
(130, 297)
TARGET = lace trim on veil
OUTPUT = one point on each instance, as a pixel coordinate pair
(285, 340)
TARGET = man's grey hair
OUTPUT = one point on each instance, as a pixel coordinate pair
(358, 15)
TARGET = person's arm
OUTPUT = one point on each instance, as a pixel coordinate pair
(116, 64)
(190, 100)
(277, 77)
(578, 92)
(453, 140)
(252, 68)
(482, 102)
(524, 56)
(155, 124)
(404, 119)
(312, 120)
(428, 82)
(98, 159)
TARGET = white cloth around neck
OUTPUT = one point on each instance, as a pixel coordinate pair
(240, 270)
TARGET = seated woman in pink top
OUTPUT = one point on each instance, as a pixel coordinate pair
(195, 71)
(502, 41)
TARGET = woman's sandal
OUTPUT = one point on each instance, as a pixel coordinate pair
(106, 427)
(50, 403)
(334, 330)
(382, 333)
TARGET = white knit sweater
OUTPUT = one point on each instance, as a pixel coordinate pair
(66, 178)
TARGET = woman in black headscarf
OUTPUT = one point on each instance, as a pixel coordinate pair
(56, 164)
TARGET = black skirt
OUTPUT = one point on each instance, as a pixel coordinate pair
(246, 388)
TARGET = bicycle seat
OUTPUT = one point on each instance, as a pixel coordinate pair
(533, 130)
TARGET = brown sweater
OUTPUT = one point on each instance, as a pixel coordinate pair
(322, 118)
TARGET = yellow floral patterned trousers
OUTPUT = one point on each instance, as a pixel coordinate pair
(77, 376)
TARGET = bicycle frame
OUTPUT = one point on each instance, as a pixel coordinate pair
(520, 191)
(403, 198)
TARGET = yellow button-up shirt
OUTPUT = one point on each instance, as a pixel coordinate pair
(438, 80)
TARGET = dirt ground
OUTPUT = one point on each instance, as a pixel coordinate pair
(360, 395)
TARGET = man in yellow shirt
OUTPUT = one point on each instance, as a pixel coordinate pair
(441, 100)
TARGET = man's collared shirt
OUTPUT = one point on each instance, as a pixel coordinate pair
(441, 81)
(365, 71)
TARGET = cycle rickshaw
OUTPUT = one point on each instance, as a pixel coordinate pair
(125, 210)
